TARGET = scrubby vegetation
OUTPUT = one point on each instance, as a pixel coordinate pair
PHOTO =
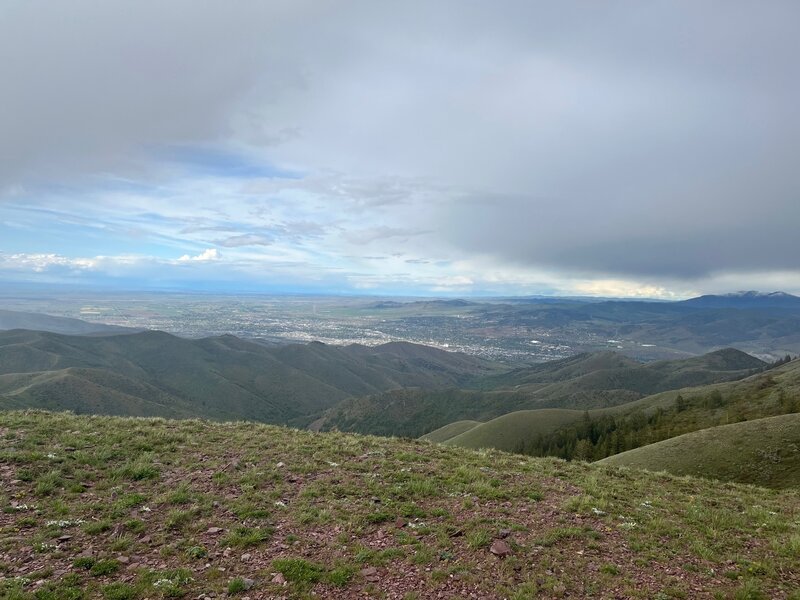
(104, 507)
(596, 434)
(585, 381)
(594, 438)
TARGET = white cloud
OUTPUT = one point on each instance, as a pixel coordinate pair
(40, 263)
(206, 255)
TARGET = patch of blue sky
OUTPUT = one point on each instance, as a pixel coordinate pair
(42, 230)
(216, 162)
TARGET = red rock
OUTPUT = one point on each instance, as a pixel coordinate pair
(500, 548)
(370, 574)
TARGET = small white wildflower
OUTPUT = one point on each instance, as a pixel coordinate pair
(162, 582)
(60, 524)
(597, 511)
(333, 464)
(280, 503)
(46, 547)
(51, 456)
(146, 509)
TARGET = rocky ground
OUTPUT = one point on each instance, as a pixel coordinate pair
(101, 507)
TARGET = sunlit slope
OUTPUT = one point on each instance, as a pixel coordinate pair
(765, 452)
(505, 433)
(449, 431)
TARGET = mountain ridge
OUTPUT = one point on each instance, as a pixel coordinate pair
(219, 377)
(585, 381)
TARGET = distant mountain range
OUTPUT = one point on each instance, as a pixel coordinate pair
(749, 299)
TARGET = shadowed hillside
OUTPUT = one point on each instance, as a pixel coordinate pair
(11, 319)
(586, 381)
(157, 374)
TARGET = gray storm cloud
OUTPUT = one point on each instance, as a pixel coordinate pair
(645, 139)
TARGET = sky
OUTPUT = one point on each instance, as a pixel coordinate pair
(617, 148)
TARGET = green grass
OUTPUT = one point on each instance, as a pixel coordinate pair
(244, 537)
(764, 452)
(349, 515)
(506, 432)
(449, 431)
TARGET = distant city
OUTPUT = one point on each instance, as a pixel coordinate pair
(453, 325)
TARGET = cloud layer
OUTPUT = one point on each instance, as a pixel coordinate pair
(622, 147)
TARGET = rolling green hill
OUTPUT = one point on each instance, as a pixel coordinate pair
(596, 434)
(585, 381)
(764, 452)
(449, 431)
(124, 508)
(506, 431)
(157, 374)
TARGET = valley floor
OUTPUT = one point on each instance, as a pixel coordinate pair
(104, 507)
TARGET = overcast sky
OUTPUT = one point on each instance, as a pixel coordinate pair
(621, 148)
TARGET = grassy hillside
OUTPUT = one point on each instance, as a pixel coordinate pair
(597, 434)
(448, 431)
(581, 382)
(102, 507)
(505, 432)
(764, 452)
(157, 374)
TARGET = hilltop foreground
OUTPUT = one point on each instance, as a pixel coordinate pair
(122, 508)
